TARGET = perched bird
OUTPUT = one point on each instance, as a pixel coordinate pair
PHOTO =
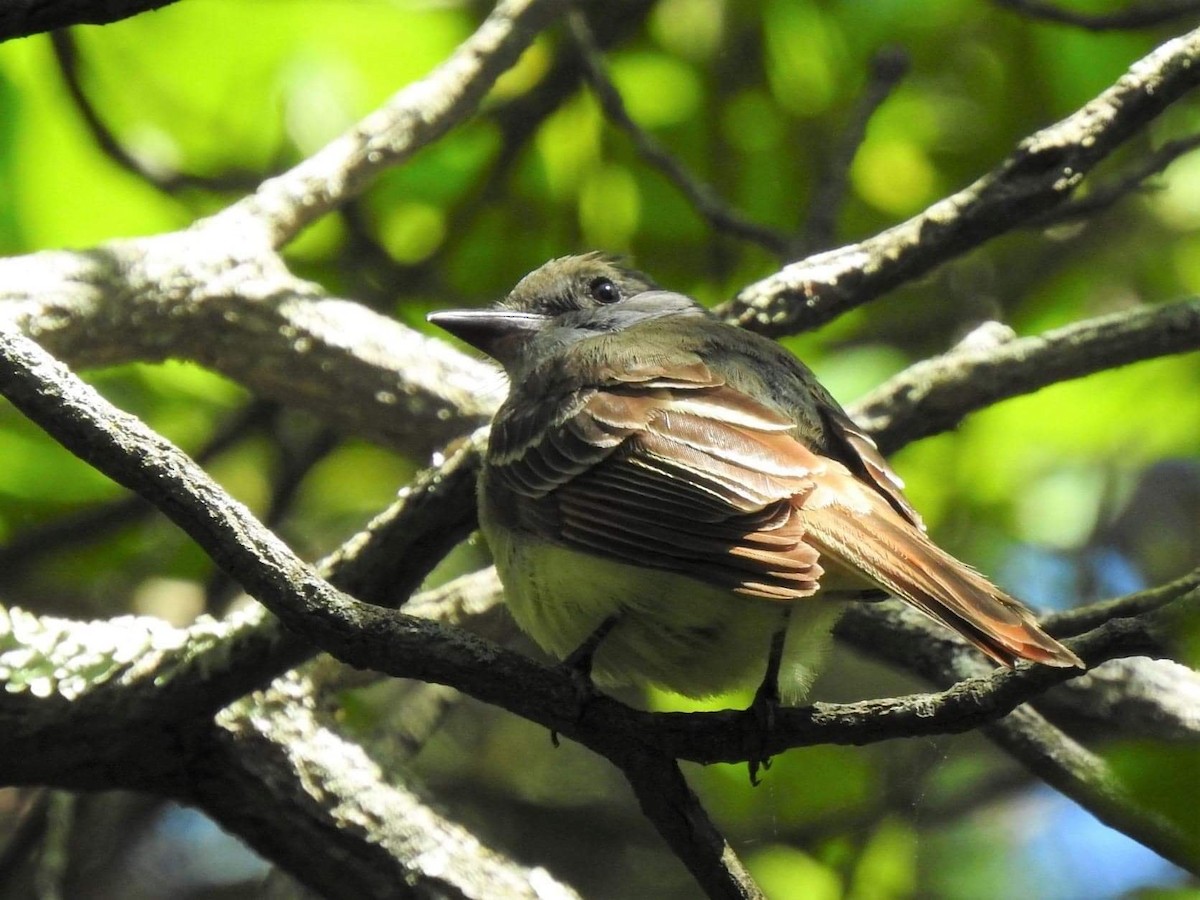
(672, 500)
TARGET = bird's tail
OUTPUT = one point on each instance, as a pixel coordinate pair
(898, 557)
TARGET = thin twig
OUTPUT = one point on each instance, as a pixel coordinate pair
(1143, 15)
(66, 54)
(888, 68)
(1104, 196)
(702, 196)
(1094, 615)
(28, 546)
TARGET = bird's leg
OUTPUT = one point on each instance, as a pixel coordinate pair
(579, 665)
(766, 703)
(579, 660)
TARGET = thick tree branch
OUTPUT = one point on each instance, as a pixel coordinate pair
(936, 394)
(1138, 697)
(193, 295)
(352, 831)
(416, 116)
(1088, 780)
(261, 768)
(1041, 173)
(403, 647)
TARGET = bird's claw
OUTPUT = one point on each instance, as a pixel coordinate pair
(763, 711)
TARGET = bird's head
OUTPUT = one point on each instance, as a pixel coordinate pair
(563, 301)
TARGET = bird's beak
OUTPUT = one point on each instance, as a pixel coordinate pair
(494, 331)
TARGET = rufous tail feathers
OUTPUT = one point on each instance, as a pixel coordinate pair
(873, 539)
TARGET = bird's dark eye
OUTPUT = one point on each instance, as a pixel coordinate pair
(604, 291)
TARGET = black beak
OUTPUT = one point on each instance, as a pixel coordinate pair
(493, 331)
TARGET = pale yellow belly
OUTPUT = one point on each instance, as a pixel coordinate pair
(671, 631)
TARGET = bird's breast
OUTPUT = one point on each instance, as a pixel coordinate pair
(672, 631)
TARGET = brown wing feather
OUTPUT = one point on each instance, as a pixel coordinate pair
(588, 425)
(862, 457)
(698, 479)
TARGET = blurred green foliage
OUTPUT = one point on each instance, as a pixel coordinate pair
(752, 97)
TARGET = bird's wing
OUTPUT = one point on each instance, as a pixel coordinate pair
(854, 447)
(677, 472)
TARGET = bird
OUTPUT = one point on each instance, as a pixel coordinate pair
(671, 500)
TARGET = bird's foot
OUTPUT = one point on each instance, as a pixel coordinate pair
(578, 666)
(762, 710)
(584, 693)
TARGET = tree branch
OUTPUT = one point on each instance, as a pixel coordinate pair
(416, 116)
(1088, 780)
(905, 638)
(351, 831)
(705, 200)
(670, 805)
(888, 68)
(1136, 697)
(936, 394)
(1108, 194)
(21, 18)
(196, 295)
(1041, 173)
(1138, 15)
(66, 54)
